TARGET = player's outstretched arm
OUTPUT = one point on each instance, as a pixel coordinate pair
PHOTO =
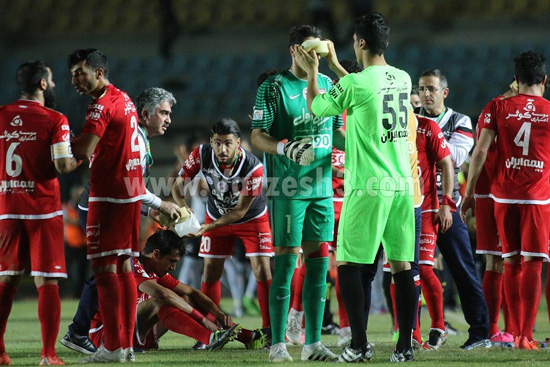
(178, 192)
(486, 138)
(83, 146)
(447, 205)
(263, 141)
(332, 61)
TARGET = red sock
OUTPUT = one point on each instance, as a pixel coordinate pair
(546, 291)
(213, 290)
(395, 321)
(181, 323)
(295, 276)
(417, 335)
(127, 308)
(263, 300)
(7, 292)
(492, 289)
(433, 294)
(512, 280)
(108, 292)
(245, 336)
(530, 295)
(342, 314)
(299, 286)
(49, 314)
(505, 311)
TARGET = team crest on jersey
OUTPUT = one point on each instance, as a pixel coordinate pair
(487, 119)
(258, 115)
(304, 92)
(222, 186)
(16, 121)
(529, 113)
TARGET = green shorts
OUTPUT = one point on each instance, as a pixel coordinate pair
(366, 221)
(294, 221)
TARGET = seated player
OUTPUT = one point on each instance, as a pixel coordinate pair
(166, 304)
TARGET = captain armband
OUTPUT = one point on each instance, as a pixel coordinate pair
(61, 150)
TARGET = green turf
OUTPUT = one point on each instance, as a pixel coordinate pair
(23, 344)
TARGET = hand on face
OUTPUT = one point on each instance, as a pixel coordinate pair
(307, 61)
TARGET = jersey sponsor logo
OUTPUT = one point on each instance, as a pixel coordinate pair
(258, 114)
(487, 119)
(133, 164)
(392, 136)
(264, 240)
(296, 96)
(517, 163)
(307, 117)
(16, 121)
(21, 136)
(66, 137)
(209, 180)
(254, 184)
(65, 127)
(323, 141)
(7, 186)
(529, 113)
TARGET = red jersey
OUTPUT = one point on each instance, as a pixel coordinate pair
(483, 186)
(29, 134)
(140, 275)
(115, 166)
(521, 173)
(432, 148)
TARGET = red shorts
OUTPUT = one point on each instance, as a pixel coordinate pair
(151, 340)
(428, 238)
(255, 234)
(337, 211)
(40, 240)
(486, 228)
(112, 229)
(523, 229)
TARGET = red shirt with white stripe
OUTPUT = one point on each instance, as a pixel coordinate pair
(432, 147)
(29, 134)
(115, 167)
(483, 186)
(522, 171)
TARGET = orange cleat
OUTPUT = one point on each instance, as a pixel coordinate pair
(51, 361)
(525, 344)
(4, 359)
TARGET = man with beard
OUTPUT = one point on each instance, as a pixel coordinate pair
(31, 219)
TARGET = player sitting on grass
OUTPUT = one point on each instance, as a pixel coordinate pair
(165, 304)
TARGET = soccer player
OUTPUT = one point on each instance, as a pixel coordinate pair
(298, 162)
(236, 209)
(109, 140)
(379, 171)
(488, 242)
(454, 244)
(521, 189)
(154, 107)
(165, 304)
(433, 151)
(31, 219)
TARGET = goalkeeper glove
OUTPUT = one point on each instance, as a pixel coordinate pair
(299, 151)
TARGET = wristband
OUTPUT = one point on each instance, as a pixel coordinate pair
(196, 315)
(281, 148)
(447, 200)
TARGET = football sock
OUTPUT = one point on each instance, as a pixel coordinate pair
(245, 336)
(263, 301)
(505, 310)
(7, 292)
(279, 295)
(354, 298)
(212, 290)
(492, 289)
(314, 297)
(367, 273)
(181, 323)
(417, 334)
(530, 295)
(386, 284)
(108, 291)
(342, 314)
(512, 280)
(298, 289)
(547, 292)
(49, 314)
(128, 297)
(433, 294)
(392, 293)
(405, 304)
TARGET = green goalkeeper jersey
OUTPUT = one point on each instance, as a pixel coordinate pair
(377, 102)
(281, 110)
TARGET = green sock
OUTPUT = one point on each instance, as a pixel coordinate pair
(313, 297)
(279, 295)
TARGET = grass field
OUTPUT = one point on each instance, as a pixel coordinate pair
(23, 344)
